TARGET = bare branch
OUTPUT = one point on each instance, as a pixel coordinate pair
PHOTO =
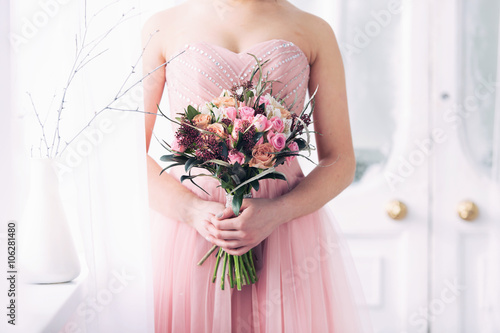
(42, 127)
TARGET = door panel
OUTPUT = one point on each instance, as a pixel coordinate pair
(464, 107)
(387, 102)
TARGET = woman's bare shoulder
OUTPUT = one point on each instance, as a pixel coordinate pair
(314, 31)
(159, 28)
(163, 20)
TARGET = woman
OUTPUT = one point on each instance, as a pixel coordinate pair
(303, 285)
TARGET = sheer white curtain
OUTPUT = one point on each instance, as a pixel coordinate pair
(103, 171)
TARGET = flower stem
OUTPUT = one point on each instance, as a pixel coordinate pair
(223, 276)
(216, 265)
(205, 257)
(243, 268)
(250, 256)
(237, 271)
(231, 270)
(249, 267)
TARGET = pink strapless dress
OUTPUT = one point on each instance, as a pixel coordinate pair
(306, 279)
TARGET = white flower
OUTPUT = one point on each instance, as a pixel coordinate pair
(217, 112)
(205, 109)
(225, 93)
(274, 102)
(269, 111)
(239, 91)
(288, 127)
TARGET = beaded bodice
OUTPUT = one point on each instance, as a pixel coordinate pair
(203, 70)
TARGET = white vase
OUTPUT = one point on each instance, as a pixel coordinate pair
(47, 252)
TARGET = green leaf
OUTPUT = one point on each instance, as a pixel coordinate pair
(191, 112)
(224, 149)
(173, 158)
(237, 201)
(239, 145)
(170, 166)
(239, 171)
(301, 143)
(190, 178)
(257, 136)
(274, 175)
(191, 163)
(255, 185)
(260, 175)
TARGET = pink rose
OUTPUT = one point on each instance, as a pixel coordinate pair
(278, 141)
(278, 124)
(294, 148)
(270, 135)
(177, 147)
(231, 113)
(246, 112)
(264, 100)
(261, 123)
(236, 156)
(237, 127)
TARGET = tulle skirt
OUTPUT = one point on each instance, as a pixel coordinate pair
(306, 279)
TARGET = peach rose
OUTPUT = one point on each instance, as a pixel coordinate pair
(218, 129)
(262, 156)
(223, 101)
(285, 114)
(202, 120)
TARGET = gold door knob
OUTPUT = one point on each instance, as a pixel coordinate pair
(467, 210)
(396, 209)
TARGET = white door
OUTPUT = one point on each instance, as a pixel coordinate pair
(463, 105)
(422, 89)
(385, 49)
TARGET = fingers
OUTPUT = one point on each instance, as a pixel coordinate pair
(225, 214)
(223, 234)
(238, 251)
(226, 244)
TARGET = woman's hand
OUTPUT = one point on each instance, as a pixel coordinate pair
(200, 213)
(237, 235)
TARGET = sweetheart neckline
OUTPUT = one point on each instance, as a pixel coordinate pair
(186, 46)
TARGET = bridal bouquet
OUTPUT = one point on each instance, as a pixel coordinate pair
(239, 138)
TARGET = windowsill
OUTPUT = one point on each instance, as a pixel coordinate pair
(48, 307)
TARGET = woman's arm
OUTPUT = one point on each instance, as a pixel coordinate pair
(337, 163)
(166, 195)
(336, 168)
